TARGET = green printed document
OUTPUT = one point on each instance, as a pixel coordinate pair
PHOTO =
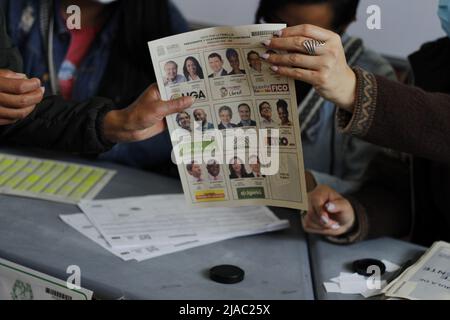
(50, 180)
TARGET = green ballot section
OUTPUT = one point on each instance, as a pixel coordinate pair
(50, 180)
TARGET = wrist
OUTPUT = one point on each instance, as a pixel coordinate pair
(113, 129)
(311, 182)
(349, 92)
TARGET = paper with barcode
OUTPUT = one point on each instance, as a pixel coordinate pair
(82, 224)
(18, 282)
(162, 220)
(240, 143)
(51, 180)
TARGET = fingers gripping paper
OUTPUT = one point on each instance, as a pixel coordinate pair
(239, 144)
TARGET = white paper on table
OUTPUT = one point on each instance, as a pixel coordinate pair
(353, 283)
(165, 219)
(390, 266)
(332, 287)
(82, 224)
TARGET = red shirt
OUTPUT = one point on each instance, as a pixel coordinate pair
(80, 43)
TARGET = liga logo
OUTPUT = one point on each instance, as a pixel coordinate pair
(198, 95)
(272, 88)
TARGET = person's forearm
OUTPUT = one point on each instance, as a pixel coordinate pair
(61, 125)
(400, 117)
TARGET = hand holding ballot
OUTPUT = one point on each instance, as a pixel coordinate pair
(144, 118)
(244, 118)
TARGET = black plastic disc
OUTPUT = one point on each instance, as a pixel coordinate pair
(361, 266)
(226, 274)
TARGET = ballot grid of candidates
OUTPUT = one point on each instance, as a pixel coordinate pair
(50, 180)
(234, 88)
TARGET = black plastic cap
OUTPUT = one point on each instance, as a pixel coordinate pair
(226, 274)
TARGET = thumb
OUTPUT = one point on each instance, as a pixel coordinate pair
(160, 108)
(165, 108)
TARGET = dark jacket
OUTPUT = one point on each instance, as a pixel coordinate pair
(411, 120)
(54, 124)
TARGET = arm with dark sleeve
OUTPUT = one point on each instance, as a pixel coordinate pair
(9, 55)
(399, 117)
(383, 204)
(60, 125)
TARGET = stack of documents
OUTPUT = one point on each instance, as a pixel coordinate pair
(427, 279)
(141, 228)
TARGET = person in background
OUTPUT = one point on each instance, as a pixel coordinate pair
(91, 126)
(233, 59)
(107, 57)
(192, 69)
(331, 157)
(401, 117)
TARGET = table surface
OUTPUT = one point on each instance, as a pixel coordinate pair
(31, 234)
(280, 265)
(329, 260)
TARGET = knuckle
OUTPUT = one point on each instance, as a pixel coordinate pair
(23, 100)
(18, 87)
(306, 28)
(5, 73)
(298, 73)
(293, 59)
(322, 79)
(336, 37)
(333, 52)
(22, 114)
(298, 42)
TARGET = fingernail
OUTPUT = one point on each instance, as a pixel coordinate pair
(21, 75)
(278, 33)
(325, 219)
(335, 226)
(274, 68)
(330, 207)
(43, 90)
(265, 56)
(266, 42)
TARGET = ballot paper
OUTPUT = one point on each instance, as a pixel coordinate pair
(50, 180)
(20, 283)
(353, 283)
(165, 219)
(240, 143)
(427, 279)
